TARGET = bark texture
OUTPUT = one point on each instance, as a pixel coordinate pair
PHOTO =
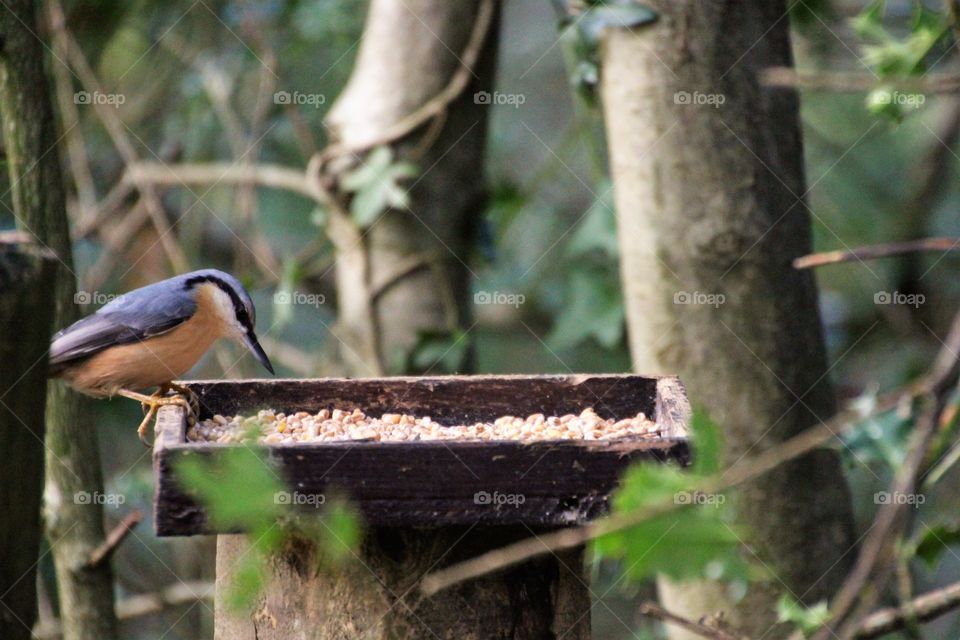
(73, 527)
(709, 181)
(409, 273)
(377, 597)
(27, 275)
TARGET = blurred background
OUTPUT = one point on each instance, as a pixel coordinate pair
(196, 82)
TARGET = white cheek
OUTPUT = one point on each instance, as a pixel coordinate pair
(223, 307)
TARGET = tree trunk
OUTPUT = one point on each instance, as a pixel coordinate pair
(405, 277)
(74, 528)
(27, 275)
(709, 185)
(411, 265)
(377, 597)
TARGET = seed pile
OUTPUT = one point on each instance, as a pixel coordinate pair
(339, 425)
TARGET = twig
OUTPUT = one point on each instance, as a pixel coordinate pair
(117, 131)
(652, 610)
(923, 608)
(874, 251)
(852, 600)
(745, 471)
(143, 604)
(843, 82)
(437, 104)
(113, 540)
(224, 173)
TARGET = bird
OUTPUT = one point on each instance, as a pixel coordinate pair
(152, 335)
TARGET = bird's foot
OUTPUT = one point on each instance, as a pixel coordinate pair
(152, 404)
(186, 392)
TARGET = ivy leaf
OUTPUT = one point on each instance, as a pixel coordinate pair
(626, 15)
(443, 350)
(883, 438)
(935, 540)
(707, 443)
(806, 619)
(238, 471)
(594, 310)
(694, 541)
(598, 230)
(376, 186)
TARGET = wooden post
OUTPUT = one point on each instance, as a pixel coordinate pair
(378, 597)
(427, 503)
(27, 280)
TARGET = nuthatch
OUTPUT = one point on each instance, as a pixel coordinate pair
(152, 335)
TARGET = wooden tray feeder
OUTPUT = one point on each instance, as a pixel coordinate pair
(418, 501)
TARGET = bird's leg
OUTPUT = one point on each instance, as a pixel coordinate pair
(153, 404)
(185, 392)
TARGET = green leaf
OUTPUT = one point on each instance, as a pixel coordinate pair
(246, 580)
(707, 443)
(883, 438)
(443, 351)
(627, 15)
(238, 487)
(694, 541)
(594, 309)
(806, 619)
(935, 540)
(598, 230)
(343, 532)
(376, 186)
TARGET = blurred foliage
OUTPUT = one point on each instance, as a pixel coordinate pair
(697, 539)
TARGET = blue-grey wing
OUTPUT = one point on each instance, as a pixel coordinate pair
(134, 316)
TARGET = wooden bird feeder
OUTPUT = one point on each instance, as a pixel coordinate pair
(419, 501)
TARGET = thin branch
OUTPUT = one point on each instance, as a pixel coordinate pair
(943, 370)
(745, 471)
(923, 608)
(223, 173)
(843, 82)
(874, 251)
(114, 539)
(852, 601)
(118, 134)
(144, 604)
(652, 610)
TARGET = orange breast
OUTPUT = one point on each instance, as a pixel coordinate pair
(151, 362)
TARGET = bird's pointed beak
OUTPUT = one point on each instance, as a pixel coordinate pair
(253, 344)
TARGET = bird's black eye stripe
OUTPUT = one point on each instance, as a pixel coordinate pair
(238, 307)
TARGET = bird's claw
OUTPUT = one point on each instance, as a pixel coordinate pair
(183, 397)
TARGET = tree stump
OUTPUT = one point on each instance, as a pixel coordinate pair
(27, 277)
(420, 503)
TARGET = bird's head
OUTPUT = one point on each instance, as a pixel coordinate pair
(232, 304)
